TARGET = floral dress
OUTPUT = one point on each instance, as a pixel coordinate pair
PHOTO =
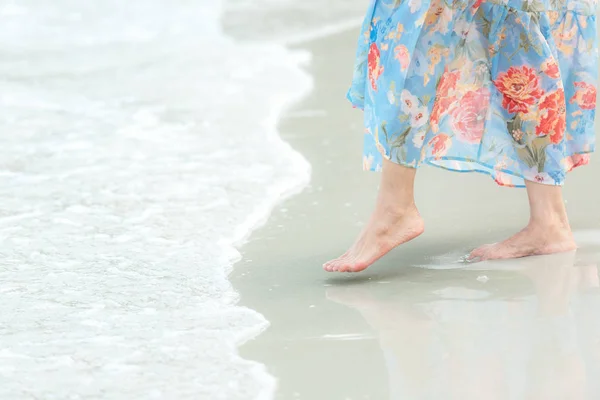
(502, 87)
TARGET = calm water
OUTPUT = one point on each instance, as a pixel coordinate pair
(138, 145)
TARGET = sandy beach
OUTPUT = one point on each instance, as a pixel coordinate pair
(418, 324)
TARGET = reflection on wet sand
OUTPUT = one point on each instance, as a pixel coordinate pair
(538, 340)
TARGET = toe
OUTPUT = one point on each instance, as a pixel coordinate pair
(473, 256)
(342, 265)
(479, 253)
(348, 265)
(328, 266)
(339, 266)
(333, 265)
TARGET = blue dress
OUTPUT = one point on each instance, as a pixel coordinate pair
(502, 87)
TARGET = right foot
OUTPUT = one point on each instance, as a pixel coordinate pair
(385, 231)
(534, 240)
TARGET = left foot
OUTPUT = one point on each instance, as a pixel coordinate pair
(534, 240)
(385, 231)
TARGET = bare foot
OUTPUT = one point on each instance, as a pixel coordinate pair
(385, 231)
(534, 240)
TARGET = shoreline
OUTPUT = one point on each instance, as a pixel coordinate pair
(299, 113)
(281, 193)
(277, 195)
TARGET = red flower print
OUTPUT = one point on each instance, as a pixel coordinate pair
(440, 107)
(447, 83)
(550, 68)
(503, 179)
(440, 145)
(469, 118)
(520, 87)
(375, 67)
(477, 4)
(585, 96)
(576, 160)
(442, 102)
(553, 116)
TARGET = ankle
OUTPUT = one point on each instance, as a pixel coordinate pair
(551, 224)
(397, 209)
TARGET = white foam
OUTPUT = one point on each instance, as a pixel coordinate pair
(139, 147)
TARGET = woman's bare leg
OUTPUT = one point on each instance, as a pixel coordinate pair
(548, 230)
(394, 221)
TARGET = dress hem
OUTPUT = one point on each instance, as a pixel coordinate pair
(431, 161)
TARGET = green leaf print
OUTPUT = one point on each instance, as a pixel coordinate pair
(401, 155)
(401, 139)
(486, 25)
(524, 42)
(526, 155)
(384, 129)
(475, 51)
(537, 45)
(534, 153)
(528, 39)
(558, 4)
(362, 65)
(541, 160)
(538, 146)
(535, 5)
(482, 72)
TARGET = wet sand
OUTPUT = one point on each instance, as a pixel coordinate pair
(417, 324)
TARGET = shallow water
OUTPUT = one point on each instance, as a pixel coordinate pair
(530, 333)
(418, 324)
(137, 145)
